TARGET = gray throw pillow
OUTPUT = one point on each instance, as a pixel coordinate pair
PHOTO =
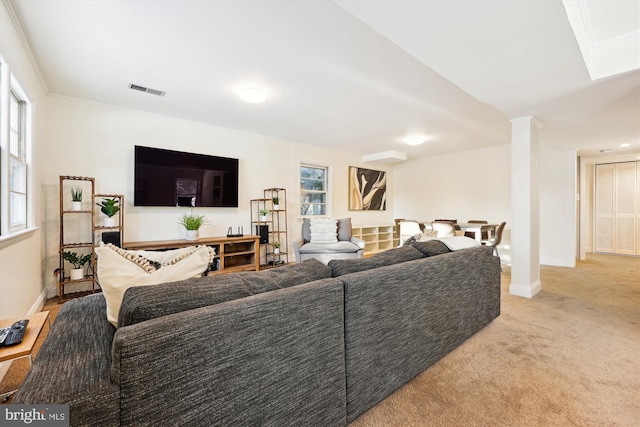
(340, 267)
(431, 247)
(344, 229)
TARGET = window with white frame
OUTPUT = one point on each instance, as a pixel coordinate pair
(314, 192)
(17, 200)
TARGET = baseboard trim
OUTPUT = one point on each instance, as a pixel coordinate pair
(527, 291)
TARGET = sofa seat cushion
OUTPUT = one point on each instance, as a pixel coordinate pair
(149, 302)
(72, 366)
(318, 248)
(340, 267)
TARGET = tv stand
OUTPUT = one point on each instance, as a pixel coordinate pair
(232, 253)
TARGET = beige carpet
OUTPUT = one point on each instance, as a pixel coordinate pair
(570, 356)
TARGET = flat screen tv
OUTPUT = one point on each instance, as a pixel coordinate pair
(175, 178)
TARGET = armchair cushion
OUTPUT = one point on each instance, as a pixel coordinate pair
(341, 246)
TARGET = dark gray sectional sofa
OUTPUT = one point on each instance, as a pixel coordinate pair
(302, 345)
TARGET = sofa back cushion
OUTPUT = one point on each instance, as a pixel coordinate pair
(144, 303)
(340, 267)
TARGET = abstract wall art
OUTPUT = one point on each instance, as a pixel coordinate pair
(367, 189)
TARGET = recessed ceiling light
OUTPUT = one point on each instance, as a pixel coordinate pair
(625, 145)
(415, 140)
(253, 95)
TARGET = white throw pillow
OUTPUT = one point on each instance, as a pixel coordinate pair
(456, 243)
(324, 230)
(118, 270)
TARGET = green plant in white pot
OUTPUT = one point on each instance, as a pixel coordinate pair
(276, 247)
(192, 223)
(263, 214)
(76, 199)
(78, 262)
(276, 203)
(109, 207)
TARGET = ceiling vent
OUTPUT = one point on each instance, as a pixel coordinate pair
(147, 90)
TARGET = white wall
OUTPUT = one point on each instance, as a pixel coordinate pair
(89, 139)
(21, 288)
(474, 184)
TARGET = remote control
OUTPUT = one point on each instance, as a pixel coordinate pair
(3, 334)
(16, 333)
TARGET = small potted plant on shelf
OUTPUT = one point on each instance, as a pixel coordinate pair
(76, 199)
(78, 262)
(263, 214)
(276, 247)
(192, 223)
(109, 207)
(276, 203)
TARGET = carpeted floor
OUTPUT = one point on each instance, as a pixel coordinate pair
(570, 356)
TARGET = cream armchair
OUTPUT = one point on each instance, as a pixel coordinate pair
(343, 246)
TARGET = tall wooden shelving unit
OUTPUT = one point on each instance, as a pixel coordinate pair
(78, 219)
(276, 224)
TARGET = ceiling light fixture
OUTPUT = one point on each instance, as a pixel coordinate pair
(625, 145)
(252, 95)
(415, 140)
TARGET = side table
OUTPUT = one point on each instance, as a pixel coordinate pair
(24, 349)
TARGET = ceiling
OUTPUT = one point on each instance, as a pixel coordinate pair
(358, 76)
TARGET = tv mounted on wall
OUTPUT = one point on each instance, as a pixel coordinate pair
(175, 178)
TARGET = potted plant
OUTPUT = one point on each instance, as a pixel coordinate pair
(76, 199)
(263, 214)
(276, 247)
(77, 272)
(192, 223)
(276, 203)
(109, 207)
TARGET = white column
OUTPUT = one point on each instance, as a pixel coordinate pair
(525, 207)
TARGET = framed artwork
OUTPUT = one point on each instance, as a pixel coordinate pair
(367, 189)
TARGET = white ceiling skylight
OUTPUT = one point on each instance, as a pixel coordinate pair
(608, 33)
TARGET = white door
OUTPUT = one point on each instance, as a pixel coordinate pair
(625, 204)
(617, 209)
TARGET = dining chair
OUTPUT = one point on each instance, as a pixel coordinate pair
(496, 239)
(444, 229)
(485, 235)
(406, 229)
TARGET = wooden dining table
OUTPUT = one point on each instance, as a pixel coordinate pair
(472, 227)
